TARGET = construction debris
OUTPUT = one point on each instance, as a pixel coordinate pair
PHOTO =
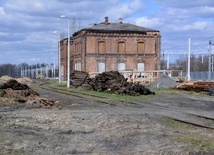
(22, 93)
(198, 86)
(114, 82)
(164, 81)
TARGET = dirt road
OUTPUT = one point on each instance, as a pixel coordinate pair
(155, 124)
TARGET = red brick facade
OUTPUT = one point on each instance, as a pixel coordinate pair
(94, 49)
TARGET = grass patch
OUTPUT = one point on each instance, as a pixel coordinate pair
(2, 138)
(170, 123)
(57, 84)
(198, 144)
(188, 135)
(110, 96)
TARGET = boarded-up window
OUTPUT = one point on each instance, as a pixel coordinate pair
(121, 47)
(141, 47)
(140, 66)
(101, 67)
(62, 72)
(101, 47)
(121, 66)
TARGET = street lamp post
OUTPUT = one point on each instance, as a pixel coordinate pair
(59, 58)
(209, 63)
(68, 61)
(188, 66)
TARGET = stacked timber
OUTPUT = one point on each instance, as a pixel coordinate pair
(198, 86)
(114, 82)
(80, 79)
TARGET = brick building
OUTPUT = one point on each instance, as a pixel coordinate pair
(112, 46)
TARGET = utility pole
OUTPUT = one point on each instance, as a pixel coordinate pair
(188, 68)
(209, 63)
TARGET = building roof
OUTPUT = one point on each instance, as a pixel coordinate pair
(119, 27)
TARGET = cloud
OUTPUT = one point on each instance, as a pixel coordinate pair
(2, 12)
(124, 10)
(149, 23)
(205, 11)
(198, 25)
(185, 4)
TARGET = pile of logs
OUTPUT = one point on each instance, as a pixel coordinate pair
(13, 84)
(114, 82)
(80, 79)
(198, 86)
(22, 93)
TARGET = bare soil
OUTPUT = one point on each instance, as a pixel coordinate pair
(84, 126)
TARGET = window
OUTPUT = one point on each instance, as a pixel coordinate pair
(77, 66)
(101, 47)
(62, 72)
(121, 47)
(140, 66)
(121, 66)
(101, 67)
(141, 47)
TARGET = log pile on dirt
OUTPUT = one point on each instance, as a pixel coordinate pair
(14, 84)
(80, 79)
(197, 86)
(22, 93)
(114, 82)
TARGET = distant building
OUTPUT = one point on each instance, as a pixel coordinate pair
(112, 46)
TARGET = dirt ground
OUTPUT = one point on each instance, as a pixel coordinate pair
(82, 126)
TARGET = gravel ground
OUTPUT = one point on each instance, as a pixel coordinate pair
(89, 127)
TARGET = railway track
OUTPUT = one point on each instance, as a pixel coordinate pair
(168, 112)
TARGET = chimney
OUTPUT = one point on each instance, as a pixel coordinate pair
(120, 20)
(106, 21)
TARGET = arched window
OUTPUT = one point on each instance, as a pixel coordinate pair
(121, 47)
(101, 47)
(141, 47)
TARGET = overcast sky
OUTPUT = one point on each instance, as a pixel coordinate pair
(27, 26)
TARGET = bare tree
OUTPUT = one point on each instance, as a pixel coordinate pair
(199, 63)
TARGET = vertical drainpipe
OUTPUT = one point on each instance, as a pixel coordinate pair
(159, 50)
(85, 41)
(156, 49)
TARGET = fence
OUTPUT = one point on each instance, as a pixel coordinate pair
(146, 76)
(199, 76)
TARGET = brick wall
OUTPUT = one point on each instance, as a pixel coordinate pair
(84, 49)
